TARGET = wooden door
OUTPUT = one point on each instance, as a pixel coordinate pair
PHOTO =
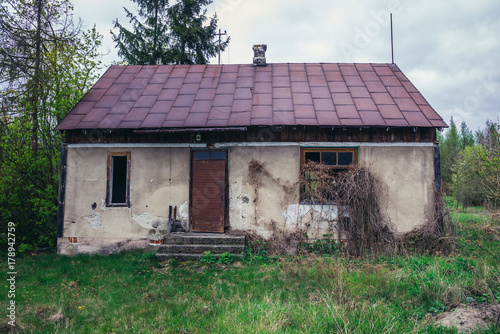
(208, 194)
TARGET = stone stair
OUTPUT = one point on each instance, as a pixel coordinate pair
(190, 246)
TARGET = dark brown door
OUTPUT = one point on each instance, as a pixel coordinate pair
(208, 194)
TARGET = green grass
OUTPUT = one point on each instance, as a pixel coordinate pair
(131, 293)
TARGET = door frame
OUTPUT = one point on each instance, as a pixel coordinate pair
(226, 186)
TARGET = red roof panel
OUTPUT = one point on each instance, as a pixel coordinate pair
(338, 87)
(239, 119)
(262, 112)
(197, 119)
(351, 122)
(365, 104)
(169, 94)
(282, 105)
(372, 118)
(347, 111)
(359, 92)
(382, 98)
(107, 101)
(96, 115)
(354, 80)
(111, 121)
(398, 92)
(342, 98)
(302, 99)
(201, 107)
(177, 114)
(390, 111)
(348, 69)
(239, 95)
(83, 108)
(321, 93)
(300, 87)
(152, 120)
(304, 111)
(262, 121)
(220, 113)
(263, 99)
(161, 107)
(121, 107)
(206, 94)
(117, 89)
(327, 118)
(314, 70)
(323, 104)
(284, 118)
(416, 119)
(137, 114)
(146, 101)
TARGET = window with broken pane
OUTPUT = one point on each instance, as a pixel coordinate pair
(330, 160)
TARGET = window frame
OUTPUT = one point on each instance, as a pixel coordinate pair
(354, 151)
(304, 150)
(109, 187)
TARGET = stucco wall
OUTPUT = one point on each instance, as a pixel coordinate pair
(263, 199)
(408, 175)
(159, 177)
(257, 197)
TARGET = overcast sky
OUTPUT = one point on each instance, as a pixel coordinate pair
(450, 50)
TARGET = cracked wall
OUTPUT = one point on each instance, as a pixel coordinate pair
(263, 204)
(158, 178)
(406, 172)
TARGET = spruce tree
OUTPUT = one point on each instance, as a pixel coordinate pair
(466, 136)
(165, 34)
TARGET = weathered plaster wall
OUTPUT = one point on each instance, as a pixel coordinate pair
(159, 178)
(263, 200)
(256, 199)
(408, 174)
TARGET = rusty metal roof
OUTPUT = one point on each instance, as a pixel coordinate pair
(187, 96)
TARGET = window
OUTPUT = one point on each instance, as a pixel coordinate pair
(118, 190)
(336, 159)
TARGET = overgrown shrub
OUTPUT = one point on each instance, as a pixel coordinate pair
(355, 191)
(326, 246)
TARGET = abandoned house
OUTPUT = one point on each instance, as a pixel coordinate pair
(149, 145)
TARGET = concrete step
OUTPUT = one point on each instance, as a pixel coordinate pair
(179, 256)
(199, 249)
(183, 256)
(203, 239)
(191, 246)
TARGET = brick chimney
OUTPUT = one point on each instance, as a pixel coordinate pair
(259, 55)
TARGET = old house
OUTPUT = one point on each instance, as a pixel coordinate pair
(152, 142)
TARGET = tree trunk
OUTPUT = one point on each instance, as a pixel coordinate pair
(36, 80)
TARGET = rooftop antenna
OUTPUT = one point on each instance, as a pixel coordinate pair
(392, 42)
(220, 34)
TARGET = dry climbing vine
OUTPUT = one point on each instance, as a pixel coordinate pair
(355, 192)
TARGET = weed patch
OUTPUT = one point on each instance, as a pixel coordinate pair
(318, 293)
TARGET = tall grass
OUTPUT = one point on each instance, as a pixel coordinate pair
(131, 293)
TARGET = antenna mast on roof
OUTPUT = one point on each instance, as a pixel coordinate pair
(220, 34)
(392, 42)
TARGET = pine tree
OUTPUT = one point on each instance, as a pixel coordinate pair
(449, 152)
(466, 136)
(147, 42)
(168, 34)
